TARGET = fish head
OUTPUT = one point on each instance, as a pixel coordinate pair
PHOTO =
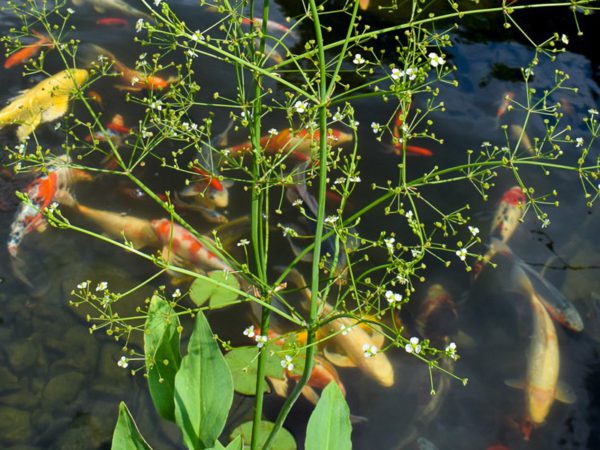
(220, 198)
(514, 196)
(156, 82)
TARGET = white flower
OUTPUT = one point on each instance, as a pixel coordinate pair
(358, 59)
(545, 223)
(436, 60)
(123, 362)
(300, 106)
(197, 36)
(101, 286)
(393, 297)
(369, 350)
(413, 346)
(243, 243)
(415, 252)
(462, 254)
(528, 72)
(401, 279)
(409, 215)
(592, 111)
(70, 10)
(273, 132)
(564, 38)
(389, 243)
(344, 330)
(486, 144)
(297, 202)
(340, 180)
(191, 53)
(579, 142)
(157, 2)
(82, 285)
(176, 294)
(139, 25)
(397, 74)
(338, 117)
(134, 80)
(287, 363)
(354, 179)
(451, 350)
(156, 105)
(474, 230)
(331, 219)
(411, 73)
(375, 127)
(250, 331)
(260, 340)
(146, 134)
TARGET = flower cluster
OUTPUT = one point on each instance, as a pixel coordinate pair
(369, 350)
(393, 298)
(413, 346)
(287, 363)
(259, 339)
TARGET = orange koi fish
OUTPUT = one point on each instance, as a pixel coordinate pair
(398, 147)
(507, 99)
(28, 51)
(297, 143)
(517, 133)
(508, 213)
(112, 21)
(364, 4)
(42, 192)
(181, 247)
(93, 95)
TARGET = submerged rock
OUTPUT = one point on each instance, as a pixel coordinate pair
(62, 390)
(15, 425)
(8, 381)
(22, 355)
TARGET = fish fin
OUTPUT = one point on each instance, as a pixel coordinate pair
(227, 183)
(337, 359)
(565, 393)
(515, 383)
(191, 191)
(357, 419)
(280, 386)
(310, 394)
(60, 105)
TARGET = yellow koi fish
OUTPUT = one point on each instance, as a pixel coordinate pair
(46, 101)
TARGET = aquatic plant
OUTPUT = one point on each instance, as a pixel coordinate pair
(357, 281)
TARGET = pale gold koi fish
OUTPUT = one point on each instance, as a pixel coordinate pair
(114, 5)
(46, 101)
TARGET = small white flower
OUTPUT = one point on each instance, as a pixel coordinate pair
(338, 117)
(243, 243)
(139, 25)
(376, 127)
(528, 72)
(287, 363)
(415, 252)
(565, 39)
(358, 59)
(340, 180)
(197, 36)
(545, 223)
(191, 53)
(413, 346)
(250, 331)
(82, 285)
(474, 230)
(393, 297)
(592, 111)
(486, 144)
(134, 80)
(369, 350)
(297, 202)
(344, 330)
(102, 286)
(401, 279)
(389, 243)
(273, 132)
(462, 254)
(123, 362)
(70, 10)
(300, 106)
(157, 2)
(355, 179)
(146, 134)
(411, 73)
(397, 74)
(260, 340)
(176, 294)
(331, 219)
(436, 60)
(409, 215)
(451, 350)
(157, 104)
(579, 142)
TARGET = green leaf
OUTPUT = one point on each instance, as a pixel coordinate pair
(243, 363)
(202, 290)
(163, 358)
(126, 435)
(283, 441)
(329, 425)
(203, 389)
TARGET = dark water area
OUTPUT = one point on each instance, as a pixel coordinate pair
(60, 385)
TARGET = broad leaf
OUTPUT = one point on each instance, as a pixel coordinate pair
(202, 290)
(203, 389)
(161, 347)
(126, 435)
(329, 425)
(243, 363)
(236, 444)
(283, 441)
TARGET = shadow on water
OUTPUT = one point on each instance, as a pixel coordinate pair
(60, 386)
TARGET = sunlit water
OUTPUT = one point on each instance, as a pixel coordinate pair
(60, 386)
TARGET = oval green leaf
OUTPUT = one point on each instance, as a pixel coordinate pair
(127, 435)
(163, 357)
(221, 296)
(243, 363)
(283, 441)
(203, 389)
(329, 426)
(200, 291)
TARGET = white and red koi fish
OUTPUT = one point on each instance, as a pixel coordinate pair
(508, 213)
(182, 248)
(297, 143)
(207, 194)
(271, 25)
(41, 192)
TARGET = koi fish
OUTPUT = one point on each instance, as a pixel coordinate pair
(42, 192)
(137, 231)
(136, 80)
(364, 4)
(508, 213)
(297, 143)
(46, 101)
(112, 21)
(518, 133)
(398, 146)
(527, 280)
(115, 130)
(543, 363)
(345, 341)
(28, 51)
(437, 314)
(93, 95)
(181, 247)
(507, 99)
(271, 25)
(102, 6)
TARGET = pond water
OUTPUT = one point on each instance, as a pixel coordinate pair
(60, 385)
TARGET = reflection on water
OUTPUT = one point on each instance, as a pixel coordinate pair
(60, 386)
